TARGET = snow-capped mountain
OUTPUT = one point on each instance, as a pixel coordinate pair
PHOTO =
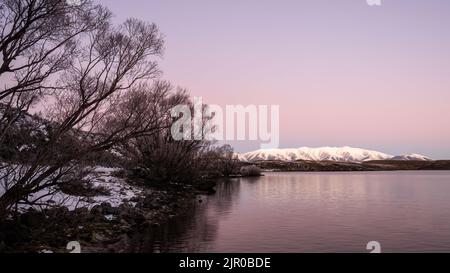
(342, 154)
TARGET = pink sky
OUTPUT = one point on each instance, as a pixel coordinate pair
(343, 73)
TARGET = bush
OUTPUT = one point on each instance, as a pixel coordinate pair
(227, 161)
(251, 171)
(160, 162)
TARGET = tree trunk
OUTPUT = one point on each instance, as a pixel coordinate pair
(9, 198)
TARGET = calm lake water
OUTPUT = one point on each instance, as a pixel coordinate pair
(315, 212)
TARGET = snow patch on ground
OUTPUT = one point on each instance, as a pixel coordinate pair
(119, 192)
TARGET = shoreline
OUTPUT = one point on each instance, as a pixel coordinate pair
(337, 166)
(103, 229)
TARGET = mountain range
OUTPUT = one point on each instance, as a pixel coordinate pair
(338, 154)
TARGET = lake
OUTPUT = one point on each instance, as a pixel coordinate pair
(314, 212)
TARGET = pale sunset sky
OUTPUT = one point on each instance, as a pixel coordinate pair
(344, 73)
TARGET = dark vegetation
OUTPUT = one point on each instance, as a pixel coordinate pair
(251, 170)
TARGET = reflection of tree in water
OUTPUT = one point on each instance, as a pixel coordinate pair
(193, 231)
(226, 191)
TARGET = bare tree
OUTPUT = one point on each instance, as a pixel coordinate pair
(108, 68)
(227, 161)
(38, 40)
(159, 158)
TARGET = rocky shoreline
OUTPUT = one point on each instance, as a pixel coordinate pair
(102, 229)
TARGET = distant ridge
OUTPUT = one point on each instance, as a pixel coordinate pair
(412, 157)
(339, 154)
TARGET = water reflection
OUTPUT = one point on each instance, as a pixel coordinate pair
(314, 212)
(195, 229)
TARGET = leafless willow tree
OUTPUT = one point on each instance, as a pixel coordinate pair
(38, 40)
(159, 158)
(94, 74)
(227, 161)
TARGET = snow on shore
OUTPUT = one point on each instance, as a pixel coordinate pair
(117, 192)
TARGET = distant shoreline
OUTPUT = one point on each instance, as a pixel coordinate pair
(337, 166)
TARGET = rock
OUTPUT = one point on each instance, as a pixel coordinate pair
(105, 205)
(115, 211)
(139, 217)
(81, 211)
(125, 206)
(109, 217)
(131, 216)
(110, 210)
(105, 209)
(135, 217)
(123, 223)
(145, 225)
(135, 199)
(97, 237)
(96, 210)
(124, 210)
(206, 186)
(150, 203)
